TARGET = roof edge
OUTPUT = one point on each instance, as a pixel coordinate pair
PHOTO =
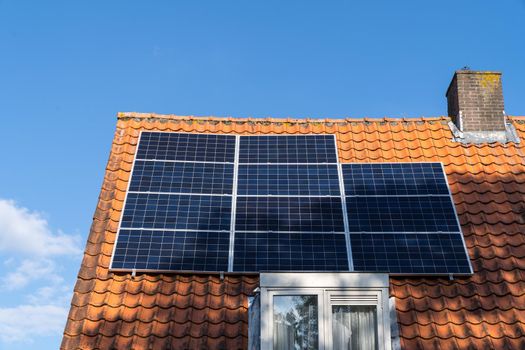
(138, 115)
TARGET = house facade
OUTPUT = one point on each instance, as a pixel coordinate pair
(483, 157)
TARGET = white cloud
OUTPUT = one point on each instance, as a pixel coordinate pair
(28, 232)
(30, 270)
(59, 295)
(18, 322)
(33, 262)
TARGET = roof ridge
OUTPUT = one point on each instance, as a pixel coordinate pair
(139, 115)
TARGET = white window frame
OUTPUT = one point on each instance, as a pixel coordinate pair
(354, 288)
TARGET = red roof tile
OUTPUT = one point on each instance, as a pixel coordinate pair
(486, 310)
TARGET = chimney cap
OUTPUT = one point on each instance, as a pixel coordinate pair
(470, 71)
(467, 70)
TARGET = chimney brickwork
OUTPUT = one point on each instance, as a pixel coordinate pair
(475, 101)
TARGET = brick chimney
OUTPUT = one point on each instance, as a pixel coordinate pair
(475, 105)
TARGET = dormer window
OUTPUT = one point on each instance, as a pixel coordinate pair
(321, 311)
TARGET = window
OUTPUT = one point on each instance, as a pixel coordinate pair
(295, 321)
(324, 311)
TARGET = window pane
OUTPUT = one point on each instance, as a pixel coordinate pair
(295, 322)
(354, 327)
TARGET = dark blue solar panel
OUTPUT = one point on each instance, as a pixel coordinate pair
(290, 252)
(177, 215)
(401, 214)
(306, 214)
(186, 147)
(287, 149)
(410, 211)
(171, 250)
(394, 179)
(309, 180)
(409, 253)
(169, 211)
(182, 177)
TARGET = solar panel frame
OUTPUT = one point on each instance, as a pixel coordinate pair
(234, 203)
(345, 216)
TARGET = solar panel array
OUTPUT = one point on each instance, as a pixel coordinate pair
(203, 202)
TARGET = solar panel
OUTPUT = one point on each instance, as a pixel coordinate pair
(401, 214)
(304, 214)
(171, 250)
(186, 147)
(402, 220)
(182, 177)
(288, 149)
(174, 211)
(402, 253)
(290, 180)
(263, 251)
(391, 179)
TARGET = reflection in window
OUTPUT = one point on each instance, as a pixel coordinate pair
(354, 327)
(295, 325)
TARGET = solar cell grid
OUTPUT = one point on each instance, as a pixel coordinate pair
(306, 214)
(290, 251)
(401, 214)
(287, 149)
(410, 215)
(309, 180)
(394, 179)
(409, 253)
(186, 147)
(172, 250)
(170, 211)
(182, 177)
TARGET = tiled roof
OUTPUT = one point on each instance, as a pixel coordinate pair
(484, 311)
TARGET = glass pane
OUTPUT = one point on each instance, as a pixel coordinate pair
(295, 322)
(354, 327)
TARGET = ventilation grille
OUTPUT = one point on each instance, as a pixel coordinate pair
(354, 299)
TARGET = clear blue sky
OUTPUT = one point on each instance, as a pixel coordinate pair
(67, 68)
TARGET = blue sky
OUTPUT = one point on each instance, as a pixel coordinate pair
(67, 68)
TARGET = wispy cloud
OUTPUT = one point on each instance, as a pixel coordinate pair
(22, 322)
(30, 270)
(33, 258)
(28, 232)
